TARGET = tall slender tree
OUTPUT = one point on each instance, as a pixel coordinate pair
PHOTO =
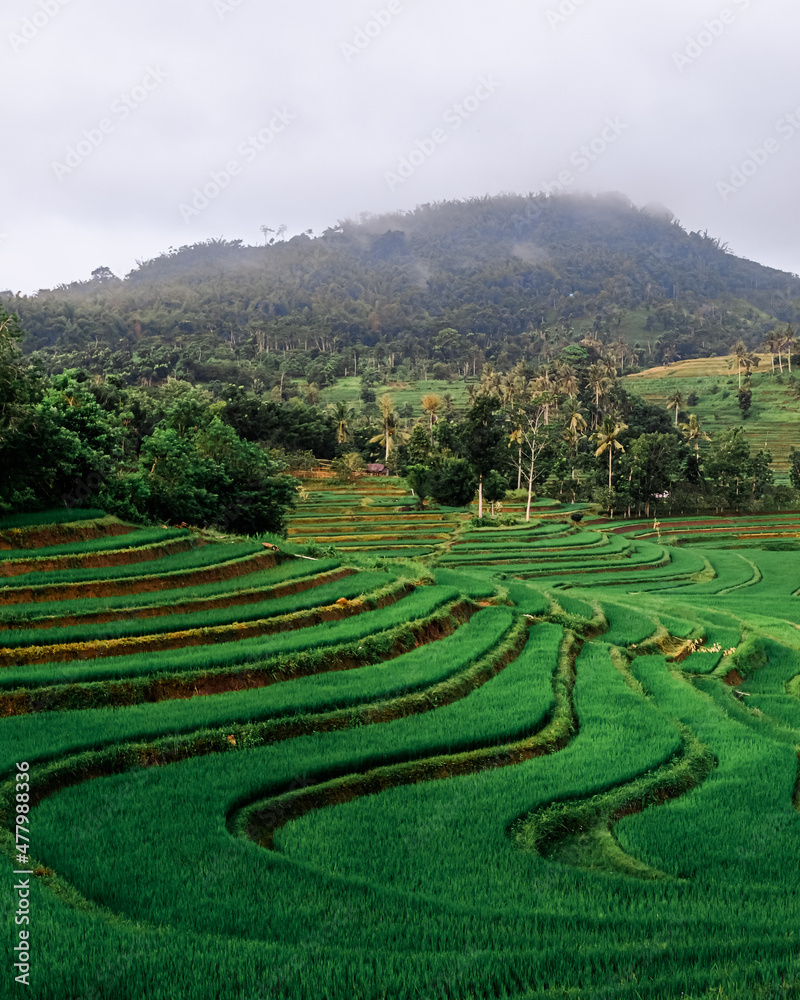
(607, 439)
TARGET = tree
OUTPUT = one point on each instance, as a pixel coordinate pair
(454, 483)
(210, 476)
(675, 402)
(745, 399)
(743, 358)
(103, 274)
(495, 488)
(348, 467)
(482, 439)
(794, 468)
(727, 465)
(419, 479)
(341, 414)
(534, 437)
(655, 463)
(607, 439)
(431, 403)
(418, 448)
(693, 432)
(774, 344)
(788, 343)
(389, 418)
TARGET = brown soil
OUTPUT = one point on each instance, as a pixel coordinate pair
(201, 604)
(141, 584)
(102, 648)
(100, 560)
(733, 678)
(59, 534)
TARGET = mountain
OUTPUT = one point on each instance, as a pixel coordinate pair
(511, 275)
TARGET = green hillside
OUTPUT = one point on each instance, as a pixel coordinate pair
(772, 423)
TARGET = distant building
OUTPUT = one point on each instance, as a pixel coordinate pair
(376, 469)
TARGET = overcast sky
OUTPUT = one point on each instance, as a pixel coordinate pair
(130, 127)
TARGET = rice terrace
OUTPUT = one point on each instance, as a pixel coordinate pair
(557, 759)
(405, 612)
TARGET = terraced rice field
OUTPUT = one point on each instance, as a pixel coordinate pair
(373, 514)
(773, 422)
(558, 760)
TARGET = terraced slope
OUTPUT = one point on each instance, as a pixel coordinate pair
(556, 762)
(373, 515)
(774, 417)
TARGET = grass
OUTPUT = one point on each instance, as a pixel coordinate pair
(546, 798)
(773, 422)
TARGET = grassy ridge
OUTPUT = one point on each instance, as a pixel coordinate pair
(479, 815)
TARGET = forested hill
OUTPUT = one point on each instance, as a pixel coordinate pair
(503, 272)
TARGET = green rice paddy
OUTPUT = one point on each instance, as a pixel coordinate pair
(543, 762)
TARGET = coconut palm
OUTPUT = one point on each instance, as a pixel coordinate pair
(574, 416)
(743, 358)
(774, 344)
(490, 381)
(675, 402)
(432, 403)
(599, 383)
(607, 439)
(788, 341)
(517, 437)
(389, 419)
(572, 438)
(341, 413)
(567, 380)
(618, 351)
(693, 432)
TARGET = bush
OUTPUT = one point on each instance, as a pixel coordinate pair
(349, 467)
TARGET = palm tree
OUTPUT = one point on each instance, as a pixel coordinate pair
(544, 387)
(432, 403)
(774, 343)
(599, 382)
(618, 351)
(744, 358)
(517, 437)
(573, 414)
(675, 402)
(341, 413)
(788, 343)
(573, 438)
(607, 439)
(389, 418)
(490, 381)
(568, 381)
(693, 432)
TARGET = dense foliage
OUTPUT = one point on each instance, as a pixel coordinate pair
(439, 290)
(159, 453)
